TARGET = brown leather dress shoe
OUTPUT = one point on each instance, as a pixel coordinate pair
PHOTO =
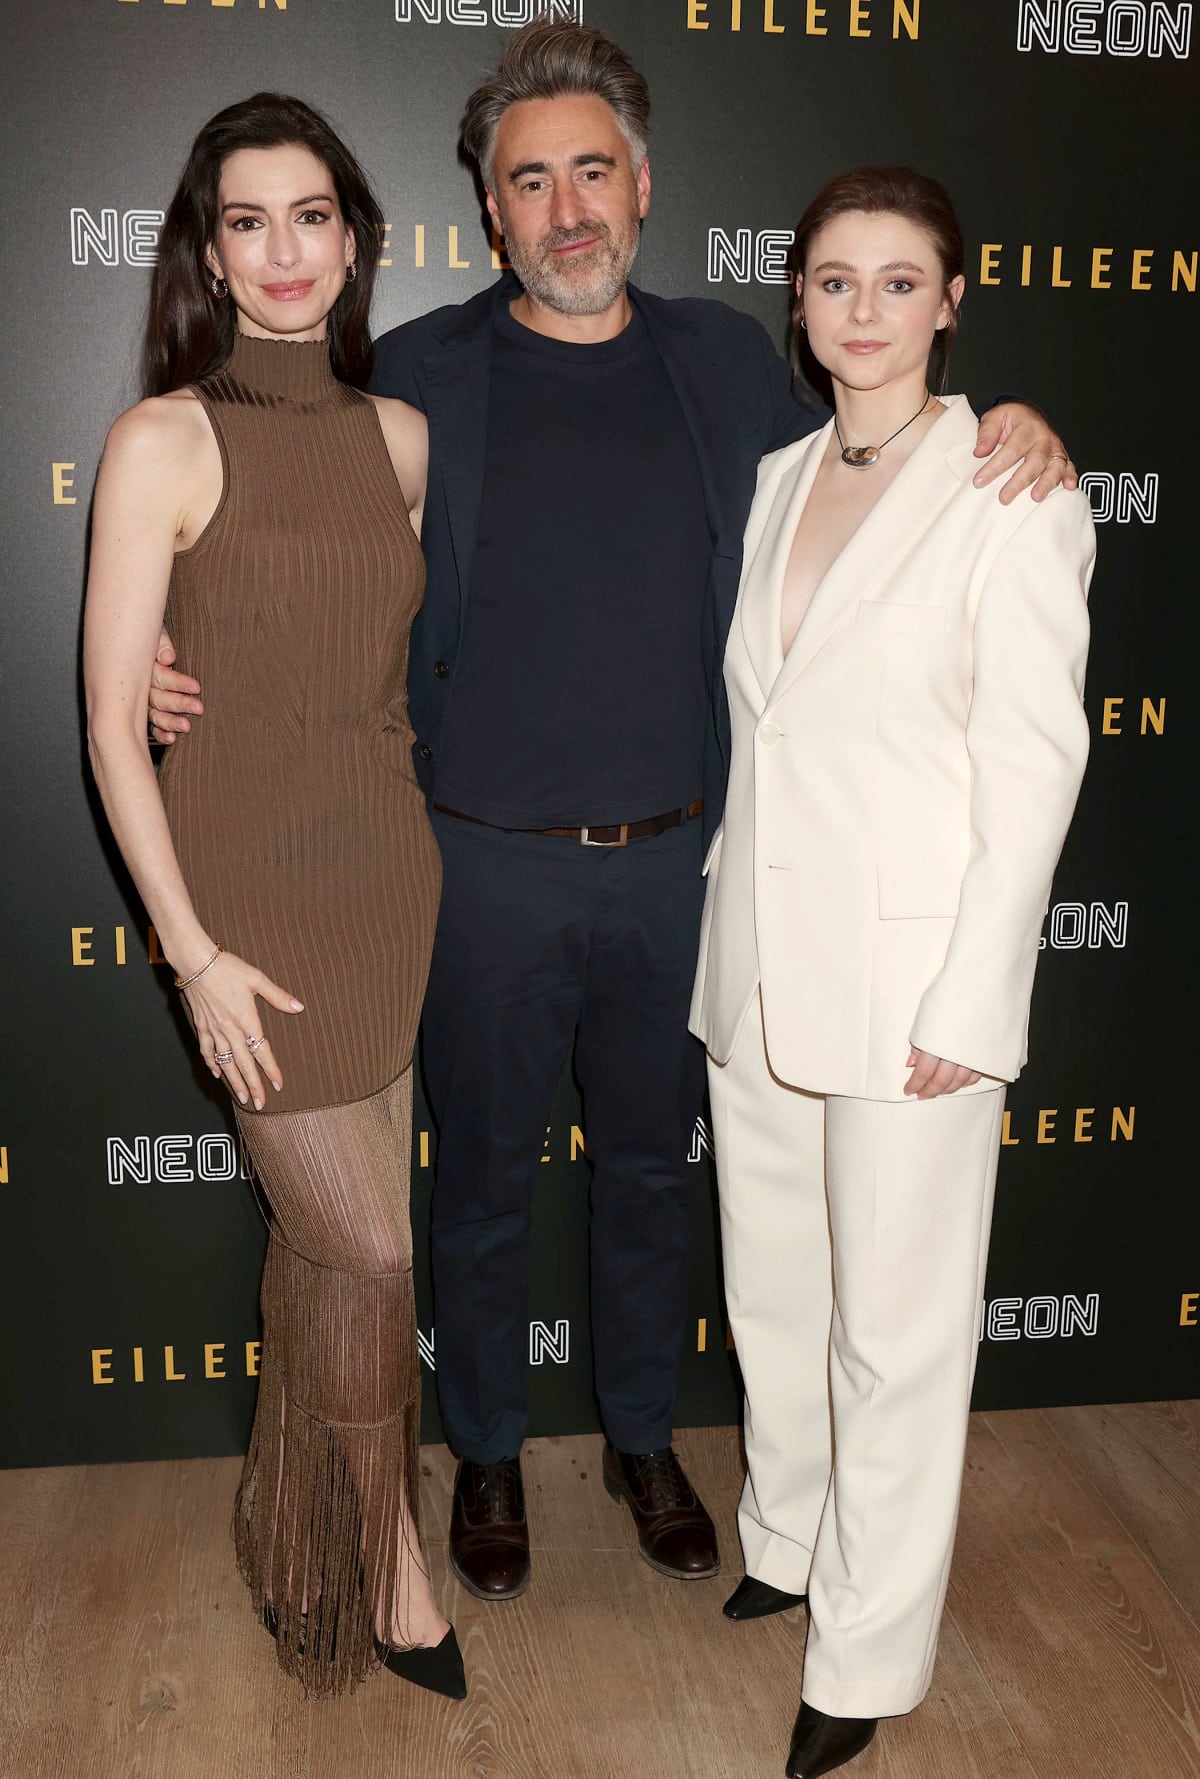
(675, 1534)
(489, 1536)
(821, 1744)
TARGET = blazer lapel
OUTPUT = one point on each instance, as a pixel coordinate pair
(712, 406)
(903, 513)
(458, 378)
(778, 505)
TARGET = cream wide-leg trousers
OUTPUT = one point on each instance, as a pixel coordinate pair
(855, 1237)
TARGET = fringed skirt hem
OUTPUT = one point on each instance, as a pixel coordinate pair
(326, 1523)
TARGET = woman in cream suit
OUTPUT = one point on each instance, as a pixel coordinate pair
(905, 676)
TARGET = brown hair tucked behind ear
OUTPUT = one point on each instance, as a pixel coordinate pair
(895, 191)
(546, 60)
(188, 332)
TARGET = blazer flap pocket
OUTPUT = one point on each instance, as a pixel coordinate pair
(901, 620)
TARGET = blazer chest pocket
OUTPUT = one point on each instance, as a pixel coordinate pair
(886, 618)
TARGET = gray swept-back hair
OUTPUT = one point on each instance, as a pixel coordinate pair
(548, 60)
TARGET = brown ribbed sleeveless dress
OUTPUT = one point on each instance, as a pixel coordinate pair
(304, 842)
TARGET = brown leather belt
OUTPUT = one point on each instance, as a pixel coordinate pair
(616, 834)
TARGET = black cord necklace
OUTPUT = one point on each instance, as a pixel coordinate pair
(865, 456)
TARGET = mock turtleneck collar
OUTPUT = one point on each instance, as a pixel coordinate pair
(294, 370)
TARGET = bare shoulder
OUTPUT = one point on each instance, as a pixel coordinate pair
(406, 434)
(404, 425)
(162, 435)
(161, 465)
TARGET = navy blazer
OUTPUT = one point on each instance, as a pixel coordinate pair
(736, 395)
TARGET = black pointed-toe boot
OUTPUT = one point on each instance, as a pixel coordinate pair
(821, 1744)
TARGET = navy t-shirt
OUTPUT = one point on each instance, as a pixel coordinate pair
(579, 695)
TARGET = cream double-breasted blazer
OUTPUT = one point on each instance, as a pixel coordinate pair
(901, 784)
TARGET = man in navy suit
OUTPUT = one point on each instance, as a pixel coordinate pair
(593, 452)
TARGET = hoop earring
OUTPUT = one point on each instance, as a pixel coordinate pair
(219, 287)
(351, 272)
(804, 324)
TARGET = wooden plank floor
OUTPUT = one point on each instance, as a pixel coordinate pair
(1070, 1647)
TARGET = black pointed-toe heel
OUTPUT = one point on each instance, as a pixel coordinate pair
(439, 1669)
(758, 1599)
(821, 1744)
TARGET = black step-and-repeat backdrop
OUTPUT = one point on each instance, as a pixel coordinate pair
(130, 1242)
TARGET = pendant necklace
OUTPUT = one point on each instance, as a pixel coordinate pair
(865, 456)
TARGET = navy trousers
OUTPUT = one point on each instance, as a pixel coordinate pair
(542, 942)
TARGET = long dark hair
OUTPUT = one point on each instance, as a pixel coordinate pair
(896, 191)
(189, 333)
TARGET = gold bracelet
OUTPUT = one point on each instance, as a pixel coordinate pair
(186, 981)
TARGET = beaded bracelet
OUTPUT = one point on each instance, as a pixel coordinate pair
(186, 981)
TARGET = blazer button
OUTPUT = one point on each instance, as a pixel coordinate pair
(441, 668)
(768, 734)
(425, 751)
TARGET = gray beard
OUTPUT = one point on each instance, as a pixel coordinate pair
(570, 295)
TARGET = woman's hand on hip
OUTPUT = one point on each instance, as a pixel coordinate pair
(933, 1075)
(223, 1010)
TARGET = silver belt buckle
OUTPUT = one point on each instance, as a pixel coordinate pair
(584, 832)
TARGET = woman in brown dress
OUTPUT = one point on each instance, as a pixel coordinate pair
(270, 509)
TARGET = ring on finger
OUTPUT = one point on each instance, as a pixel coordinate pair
(253, 1045)
(222, 1056)
(1055, 454)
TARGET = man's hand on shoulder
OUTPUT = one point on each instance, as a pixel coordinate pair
(1013, 436)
